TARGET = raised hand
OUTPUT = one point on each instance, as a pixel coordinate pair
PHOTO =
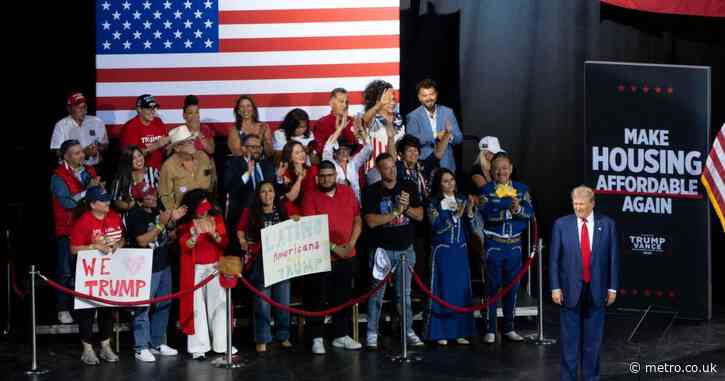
(165, 217)
(281, 169)
(177, 213)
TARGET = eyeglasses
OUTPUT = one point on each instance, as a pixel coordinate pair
(333, 174)
(257, 146)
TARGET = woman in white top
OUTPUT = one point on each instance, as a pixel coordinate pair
(338, 151)
(295, 126)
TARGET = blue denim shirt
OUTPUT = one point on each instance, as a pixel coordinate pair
(498, 219)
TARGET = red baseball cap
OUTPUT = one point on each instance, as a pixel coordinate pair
(76, 98)
(141, 190)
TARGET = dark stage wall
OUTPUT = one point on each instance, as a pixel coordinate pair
(520, 70)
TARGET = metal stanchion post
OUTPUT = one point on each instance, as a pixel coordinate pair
(538, 338)
(9, 274)
(9, 314)
(403, 356)
(229, 361)
(34, 370)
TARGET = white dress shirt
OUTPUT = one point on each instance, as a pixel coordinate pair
(590, 228)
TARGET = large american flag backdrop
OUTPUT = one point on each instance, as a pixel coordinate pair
(284, 53)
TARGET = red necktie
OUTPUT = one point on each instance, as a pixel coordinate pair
(586, 252)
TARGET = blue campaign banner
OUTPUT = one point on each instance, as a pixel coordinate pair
(647, 129)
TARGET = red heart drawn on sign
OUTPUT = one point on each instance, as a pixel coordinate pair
(134, 264)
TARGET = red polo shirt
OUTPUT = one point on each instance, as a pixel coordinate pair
(325, 127)
(88, 227)
(141, 135)
(341, 210)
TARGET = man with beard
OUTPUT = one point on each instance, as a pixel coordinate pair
(338, 201)
(242, 175)
(430, 121)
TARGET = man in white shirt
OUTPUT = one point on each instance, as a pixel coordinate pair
(89, 130)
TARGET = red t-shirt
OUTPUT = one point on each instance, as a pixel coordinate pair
(309, 183)
(141, 135)
(325, 127)
(87, 227)
(243, 226)
(341, 210)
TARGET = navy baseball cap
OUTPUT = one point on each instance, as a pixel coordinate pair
(97, 193)
(146, 101)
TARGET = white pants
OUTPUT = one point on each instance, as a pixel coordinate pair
(210, 314)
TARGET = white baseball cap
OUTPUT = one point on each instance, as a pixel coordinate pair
(490, 144)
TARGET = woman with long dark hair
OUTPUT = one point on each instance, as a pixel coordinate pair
(297, 177)
(246, 121)
(294, 127)
(450, 215)
(202, 238)
(132, 170)
(265, 211)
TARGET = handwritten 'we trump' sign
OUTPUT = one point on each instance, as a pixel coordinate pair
(124, 276)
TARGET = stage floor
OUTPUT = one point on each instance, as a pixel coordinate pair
(685, 343)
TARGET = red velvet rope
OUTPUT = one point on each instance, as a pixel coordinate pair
(127, 304)
(326, 312)
(490, 300)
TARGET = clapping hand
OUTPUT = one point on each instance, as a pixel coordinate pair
(177, 213)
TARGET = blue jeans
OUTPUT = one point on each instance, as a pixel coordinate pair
(65, 272)
(280, 293)
(376, 301)
(152, 332)
(503, 261)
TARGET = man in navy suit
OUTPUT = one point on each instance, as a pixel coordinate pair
(430, 120)
(583, 269)
(242, 174)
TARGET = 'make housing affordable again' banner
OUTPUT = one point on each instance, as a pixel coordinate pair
(647, 141)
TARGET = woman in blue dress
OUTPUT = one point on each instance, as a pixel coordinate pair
(450, 215)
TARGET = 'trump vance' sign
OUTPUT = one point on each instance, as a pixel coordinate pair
(124, 276)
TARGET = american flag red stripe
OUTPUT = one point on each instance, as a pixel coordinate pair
(713, 176)
(308, 43)
(284, 53)
(308, 15)
(247, 72)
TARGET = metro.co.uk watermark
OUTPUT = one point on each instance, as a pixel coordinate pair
(665, 368)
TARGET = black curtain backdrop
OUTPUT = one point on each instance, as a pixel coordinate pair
(518, 75)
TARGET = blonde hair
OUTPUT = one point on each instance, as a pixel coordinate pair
(583, 191)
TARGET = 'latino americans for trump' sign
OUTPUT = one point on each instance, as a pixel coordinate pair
(124, 276)
(295, 248)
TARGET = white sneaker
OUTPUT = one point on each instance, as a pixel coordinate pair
(462, 341)
(346, 342)
(164, 350)
(371, 341)
(89, 357)
(414, 340)
(513, 336)
(442, 342)
(64, 317)
(107, 354)
(489, 338)
(318, 346)
(145, 355)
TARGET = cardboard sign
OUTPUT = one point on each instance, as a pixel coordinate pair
(291, 249)
(124, 276)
